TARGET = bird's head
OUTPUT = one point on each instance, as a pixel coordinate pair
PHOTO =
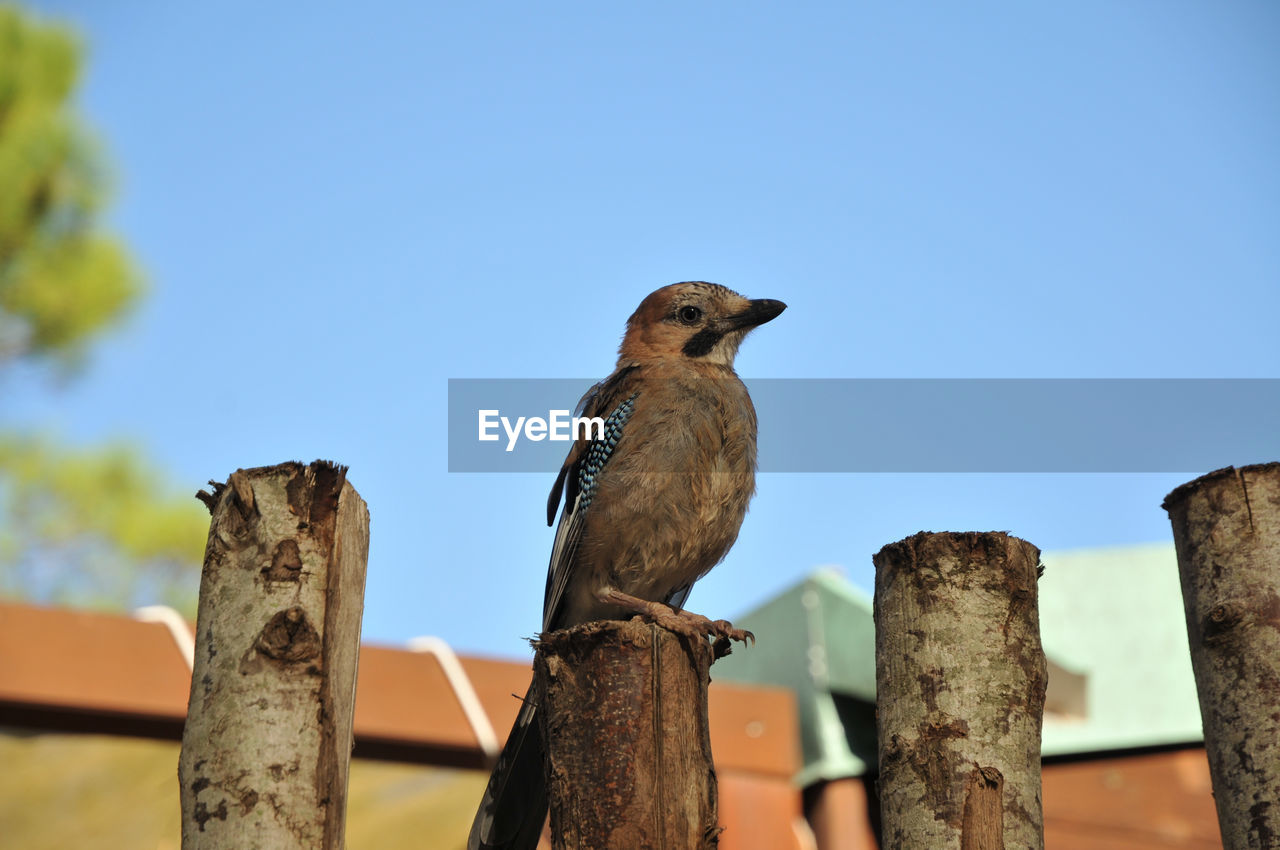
(698, 321)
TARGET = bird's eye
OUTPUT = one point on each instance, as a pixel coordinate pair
(689, 314)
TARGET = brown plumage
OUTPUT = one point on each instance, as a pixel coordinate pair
(647, 517)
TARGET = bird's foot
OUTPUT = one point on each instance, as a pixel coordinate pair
(682, 622)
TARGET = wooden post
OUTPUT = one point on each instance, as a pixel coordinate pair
(624, 713)
(1226, 527)
(960, 684)
(267, 743)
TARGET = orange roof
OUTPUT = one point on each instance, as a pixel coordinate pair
(86, 671)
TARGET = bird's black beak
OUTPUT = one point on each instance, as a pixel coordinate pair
(760, 311)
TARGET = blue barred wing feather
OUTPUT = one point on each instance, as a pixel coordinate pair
(614, 401)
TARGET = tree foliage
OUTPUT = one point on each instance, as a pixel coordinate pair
(62, 280)
(94, 526)
(90, 527)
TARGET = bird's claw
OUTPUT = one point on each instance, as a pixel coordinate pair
(700, 627)
(683, 622)
(724, 629)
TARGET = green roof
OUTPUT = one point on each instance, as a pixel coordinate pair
(1115, 615)
(1112, 626)
(818, 639)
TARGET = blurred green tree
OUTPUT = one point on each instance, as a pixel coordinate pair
(93, 526)
(62, 281)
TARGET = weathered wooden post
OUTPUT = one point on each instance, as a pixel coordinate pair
(960, 684)
(1226, 528)
(624, 713)
(267, 743)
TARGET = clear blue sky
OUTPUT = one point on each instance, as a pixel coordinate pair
(339, 209)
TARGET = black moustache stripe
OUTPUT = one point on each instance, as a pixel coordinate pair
(701, 343)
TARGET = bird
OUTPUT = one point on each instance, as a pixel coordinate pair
(652, 502)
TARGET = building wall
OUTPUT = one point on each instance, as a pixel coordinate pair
(1131, 802)
(1152, 800)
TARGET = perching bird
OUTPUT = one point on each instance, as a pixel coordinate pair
(648, 509)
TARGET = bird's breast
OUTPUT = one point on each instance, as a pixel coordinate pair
(673, 496)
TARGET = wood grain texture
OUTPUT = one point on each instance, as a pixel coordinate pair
(267, 741)
(960, 679)
(624, 713)
(1226, 528)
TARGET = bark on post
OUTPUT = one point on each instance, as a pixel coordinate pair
(960, 683)
(267, 742)
(1226, 527)
(623, 707)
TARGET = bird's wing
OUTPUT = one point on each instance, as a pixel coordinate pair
(679, 596)
(515, 801)
(613, 400)
(514, 805)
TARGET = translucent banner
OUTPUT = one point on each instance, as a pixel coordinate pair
(915, 425)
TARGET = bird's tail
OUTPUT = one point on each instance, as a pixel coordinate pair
(514, 807)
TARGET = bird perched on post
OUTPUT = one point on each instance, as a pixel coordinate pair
(649, 507)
